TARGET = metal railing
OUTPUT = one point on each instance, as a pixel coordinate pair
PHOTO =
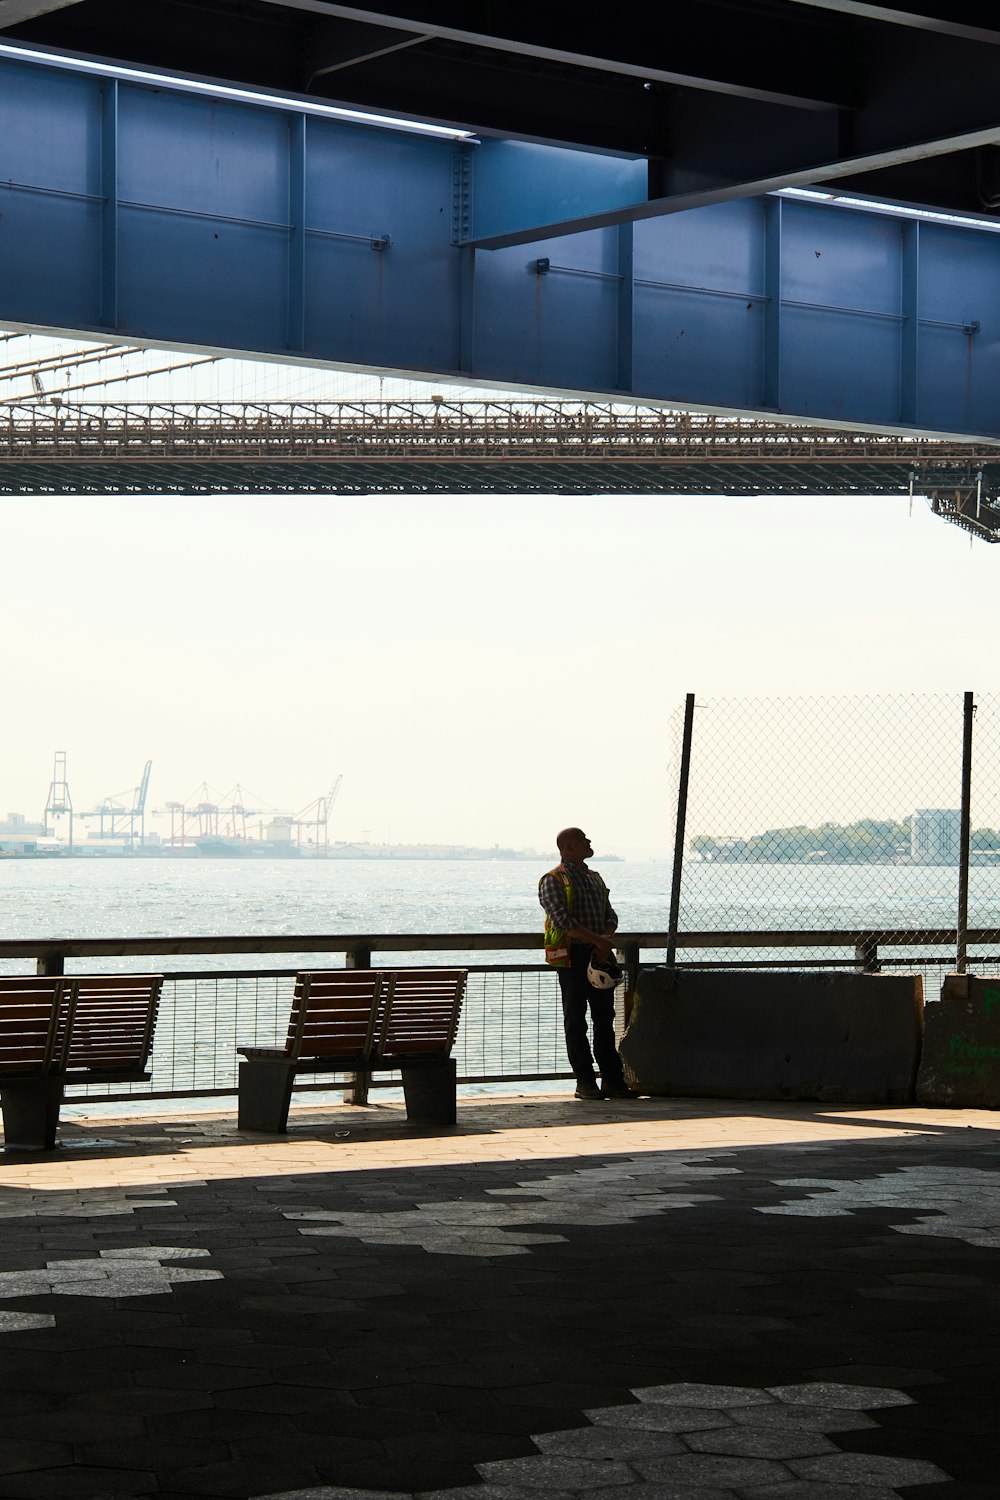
(511, 1026)
(438, 428)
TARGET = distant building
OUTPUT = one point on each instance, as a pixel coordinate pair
(18, 836)
(17, 823)
(280, 830)
(936, 836)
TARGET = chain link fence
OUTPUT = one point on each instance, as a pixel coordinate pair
(841, 815)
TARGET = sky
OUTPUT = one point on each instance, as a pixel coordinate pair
(481, 670)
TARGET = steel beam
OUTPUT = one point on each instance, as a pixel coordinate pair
(173, 216)
(14, 12)
(813, 175)
(544, 34)
(947, 18)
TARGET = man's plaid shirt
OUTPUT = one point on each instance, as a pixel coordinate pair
(591, 905)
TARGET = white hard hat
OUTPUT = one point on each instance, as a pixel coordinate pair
(604, 973)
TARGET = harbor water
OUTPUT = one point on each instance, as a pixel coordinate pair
(133, 898)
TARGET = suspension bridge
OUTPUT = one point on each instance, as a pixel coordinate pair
(438, 446)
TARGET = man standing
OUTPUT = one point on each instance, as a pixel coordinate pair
(579, 922)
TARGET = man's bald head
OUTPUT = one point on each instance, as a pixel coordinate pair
(574, 845)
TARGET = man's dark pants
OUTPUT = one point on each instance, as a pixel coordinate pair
(579, 996)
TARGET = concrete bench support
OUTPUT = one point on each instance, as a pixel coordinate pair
(265, 1095)
(847, 1038)
(31, 1112)
(960, 1062)
(431, 1092)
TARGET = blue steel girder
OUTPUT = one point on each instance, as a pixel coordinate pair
(159, 214)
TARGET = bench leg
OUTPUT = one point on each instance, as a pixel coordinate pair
(431, 1093)
(265, 1093)
(356, 1091)
(31, 1114)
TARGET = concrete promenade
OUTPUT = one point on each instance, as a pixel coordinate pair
(647, 1300)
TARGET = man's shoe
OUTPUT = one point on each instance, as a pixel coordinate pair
(587, 1091)
(618, 1091)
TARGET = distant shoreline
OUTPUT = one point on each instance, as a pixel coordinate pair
(235, 849)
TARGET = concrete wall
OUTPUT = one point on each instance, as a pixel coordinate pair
(845, 1038)
(960, 1061)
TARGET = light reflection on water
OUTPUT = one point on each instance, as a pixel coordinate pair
(121, 898)
(233, 897)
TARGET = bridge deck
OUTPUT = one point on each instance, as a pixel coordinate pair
(434, 447)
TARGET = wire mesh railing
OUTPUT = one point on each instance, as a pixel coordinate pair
(879, 813)
(510, 1031)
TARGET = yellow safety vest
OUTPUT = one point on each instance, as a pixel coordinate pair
(556, 941)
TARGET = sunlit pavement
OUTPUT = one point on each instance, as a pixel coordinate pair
(646, 1300)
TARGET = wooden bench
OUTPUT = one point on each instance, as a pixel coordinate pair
(361, 1021)
(89, 1028)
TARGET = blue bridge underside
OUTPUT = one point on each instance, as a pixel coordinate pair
(163, 215)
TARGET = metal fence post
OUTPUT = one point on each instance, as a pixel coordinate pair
(682, 798)
(631, 954)
(866, 954)
(356, 1091)
(962, 926)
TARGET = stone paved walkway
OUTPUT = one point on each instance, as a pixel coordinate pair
(646, 1300)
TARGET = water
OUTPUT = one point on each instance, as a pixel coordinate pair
(123, 898)
(120, 898)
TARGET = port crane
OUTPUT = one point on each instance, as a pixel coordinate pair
(59, 802)
(317, 818)
(121, 818)
(205, 817)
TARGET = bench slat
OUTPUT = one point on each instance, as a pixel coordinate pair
(113, 1020)
(334, 1013)
(31, 1008)
(422, 1012)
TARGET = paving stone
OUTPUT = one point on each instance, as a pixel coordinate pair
(813, 1491)
(140, 1401)
(644, 1489)
(220, 1423)
(709, 1396)
(238, 1480)
(155, 1455)
(191, 1373)
(866, 1468)
(71, 1426)
(335, 1492)
(80, 1480)
(750, 1442)
(280, 1398)
(547, 1473)
(653, 1418)
(805, 1418)
(850, 1397)
(19, 1454)
(422, 1475)
(622, 1443)
(711, 1468)
(451, 1447)
(485, 1492)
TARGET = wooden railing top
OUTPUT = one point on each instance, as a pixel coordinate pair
(451, 942)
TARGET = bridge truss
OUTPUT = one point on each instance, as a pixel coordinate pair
(475, 447)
